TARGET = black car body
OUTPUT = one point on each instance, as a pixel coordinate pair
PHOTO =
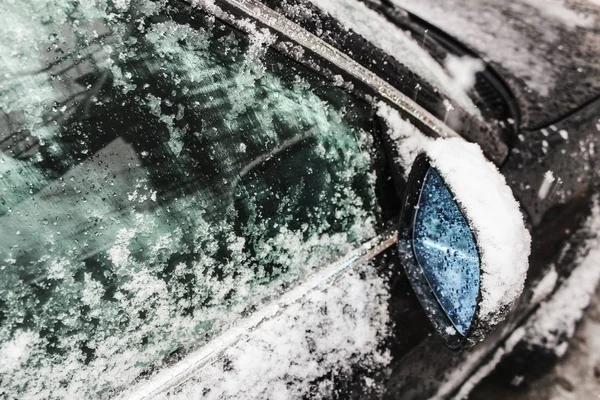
(105, 124)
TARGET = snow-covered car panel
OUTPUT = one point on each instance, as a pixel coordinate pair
(545, 50)
(563, 227)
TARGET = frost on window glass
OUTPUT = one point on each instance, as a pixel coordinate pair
(162, 175)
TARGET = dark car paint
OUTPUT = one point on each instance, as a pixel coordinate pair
(422, 366)
(571, 56)
(554, 222)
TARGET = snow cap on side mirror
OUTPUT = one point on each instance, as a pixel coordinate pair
(462, 237)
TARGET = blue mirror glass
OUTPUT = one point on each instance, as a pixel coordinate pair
(445, 250)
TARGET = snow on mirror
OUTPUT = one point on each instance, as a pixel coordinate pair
(446, 252)
(462, 239)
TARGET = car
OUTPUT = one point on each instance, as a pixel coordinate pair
(235, 199)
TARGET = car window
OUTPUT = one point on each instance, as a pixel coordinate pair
(162, 175)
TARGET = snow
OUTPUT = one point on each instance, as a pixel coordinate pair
(556, 319)
(336, 320)
(333, 328)
(450, 330)
(407, 139)
(488, 204)
(122, 5)
(545, 286)
(13, 352)
(515, 42)
(564, 134)
(546, 184)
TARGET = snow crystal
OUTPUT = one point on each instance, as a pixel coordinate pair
(546, 185)
(122, 5)
(488, 204)
(450, 330)
(13, 352)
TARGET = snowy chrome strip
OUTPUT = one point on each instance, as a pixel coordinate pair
(184, 369)
(289, 29)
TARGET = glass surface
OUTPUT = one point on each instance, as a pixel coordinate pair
(162, 175)
(446, 252)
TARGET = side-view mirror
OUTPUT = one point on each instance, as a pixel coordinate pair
(461, 237)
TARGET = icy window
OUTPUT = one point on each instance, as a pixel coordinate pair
(161, 176)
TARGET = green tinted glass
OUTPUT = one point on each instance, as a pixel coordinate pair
(162, 175)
